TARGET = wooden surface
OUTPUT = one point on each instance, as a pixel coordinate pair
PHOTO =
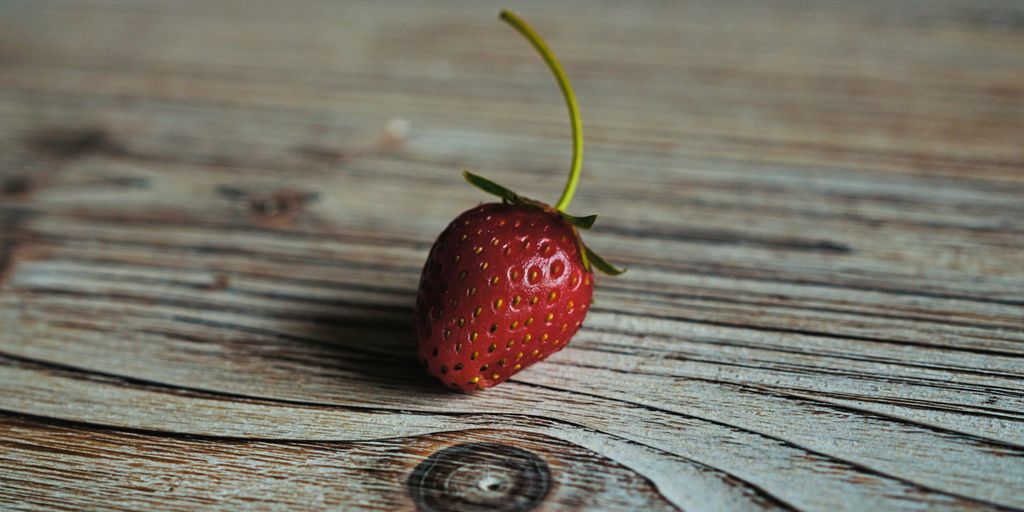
(213, 216)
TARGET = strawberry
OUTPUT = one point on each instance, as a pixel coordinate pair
(507, 284)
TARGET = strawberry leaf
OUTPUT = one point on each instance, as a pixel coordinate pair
(583, 253)
(602, 264)
(580, 222)
(490, 187)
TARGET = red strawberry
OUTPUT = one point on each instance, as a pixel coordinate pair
(506, 284)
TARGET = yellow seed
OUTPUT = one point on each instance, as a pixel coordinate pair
(515, 275)
(519, 356)
(484, 265)
(492, 348)
(549, 317)
(516, 300)
(471, 291)
(518, 223)
(501, 222)
(466, 223)
(570, 305)
(462, 322)
(527, 338)
(533, 276)
(544, 337)
(457, 258)
(447, 334)
(552, 296)
(564, 326)
(483, 368)
(586, 280)
(516, 367)
(494, 280)
(529, 321)
(534, 299)
(458, 347)
(477, 311)
(578, 323)
(477, 249)
(495, 242)
(574, 280)
(474, 380)
(474, 355)
(473, 336)
(514, 325)
(464, 237)
(495, 376)
(535, 351)
(510, 343)
(462, 275)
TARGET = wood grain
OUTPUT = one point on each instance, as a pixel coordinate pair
(81, 467)
(213, 217)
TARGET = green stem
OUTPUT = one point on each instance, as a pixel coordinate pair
(570, 101)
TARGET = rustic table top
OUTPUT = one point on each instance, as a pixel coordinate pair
(213, 216)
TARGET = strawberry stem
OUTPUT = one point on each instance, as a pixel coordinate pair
(570, 101)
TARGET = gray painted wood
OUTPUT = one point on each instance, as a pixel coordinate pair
(212, 218)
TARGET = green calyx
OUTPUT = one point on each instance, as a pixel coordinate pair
(590, 258)
(510, 197)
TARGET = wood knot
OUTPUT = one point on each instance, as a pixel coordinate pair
(278, 204)
(73, 142)
(480, 477)
(16, 186)
(278, 208)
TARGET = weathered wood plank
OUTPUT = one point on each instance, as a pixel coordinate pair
(772, 458)
(212, 218)
(69, 466)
